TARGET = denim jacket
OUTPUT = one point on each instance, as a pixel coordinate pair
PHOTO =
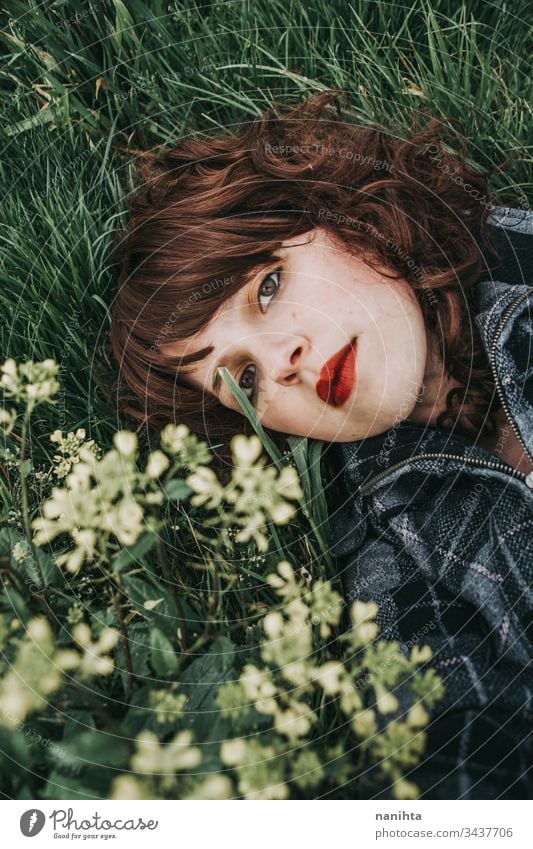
(438, 532)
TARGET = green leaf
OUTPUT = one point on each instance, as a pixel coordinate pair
(15, 604)
(133, 553)
(63, 786)
(25, 468)
(249, 412)
(8, 539)
(163, 656)
(94, 747)
(13, 752)
(176, 490)
(201, 680)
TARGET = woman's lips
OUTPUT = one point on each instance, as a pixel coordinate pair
(337, 376)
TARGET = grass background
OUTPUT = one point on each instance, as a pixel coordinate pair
(87, 86)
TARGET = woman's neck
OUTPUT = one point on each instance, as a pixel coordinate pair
(503, 443)
(437, 382)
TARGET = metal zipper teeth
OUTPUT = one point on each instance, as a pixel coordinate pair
(505, 318)
(503, 467)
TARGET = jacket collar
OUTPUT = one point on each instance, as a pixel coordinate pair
(492, 298)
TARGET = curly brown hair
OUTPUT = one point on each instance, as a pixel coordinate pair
(213, 210)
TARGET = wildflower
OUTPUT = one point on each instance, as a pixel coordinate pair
(284, 582)
(94, 661)
(36, 672)
(232, 700)
(165, 759)
(306, 769)
(75, 613)
(258, 686)
(385, 702)
(207, 488)
(167, 706)
(325, 606)
(157, 464)
(404, 789)
(178, 441)
(69, 447)
(172, 437)
(364, 723)
(125, 520)
(30, 382)
(295, 721)
(419, 654)
(245, 450)
(330, 676)
(129, 787)
(125, 442)
(233, 752)
(20, 551)
(85, 546)
(213, 787)
(417, 716)
(361, 611)
(8, 419)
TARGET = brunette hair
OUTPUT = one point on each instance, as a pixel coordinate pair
(213, 210)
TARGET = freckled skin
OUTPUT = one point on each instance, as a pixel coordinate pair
(326, 298)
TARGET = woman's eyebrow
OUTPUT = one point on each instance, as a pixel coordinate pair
(217, 379)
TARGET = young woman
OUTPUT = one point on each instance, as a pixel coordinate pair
(362, 290)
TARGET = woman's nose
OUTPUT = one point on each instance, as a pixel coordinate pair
(286, 360)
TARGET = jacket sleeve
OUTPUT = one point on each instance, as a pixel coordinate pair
(446, 569)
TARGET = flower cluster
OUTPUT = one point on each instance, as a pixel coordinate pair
(69, 448)
(101, 496)
(39, 666)
(284, 687)
(180, 443)
(255, 494)
(156, 764)
(29, 383)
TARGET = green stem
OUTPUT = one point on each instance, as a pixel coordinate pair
(169, 578)
(25, 502)
(126, 645)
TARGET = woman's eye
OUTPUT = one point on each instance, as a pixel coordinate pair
(268, 288)
(248, 383)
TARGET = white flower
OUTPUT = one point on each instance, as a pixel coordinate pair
(330, 676)
(361, 611)
(233, 752)
(10, 379)
(207, 486)
(282, 512)
(152, 757)
(125, 442)
(288, 483)
(157, 464)
(173, 436)
(245, 449)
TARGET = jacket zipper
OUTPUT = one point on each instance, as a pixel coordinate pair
(503, 467)
(505, 318)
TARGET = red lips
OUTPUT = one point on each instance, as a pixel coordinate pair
(337, 376)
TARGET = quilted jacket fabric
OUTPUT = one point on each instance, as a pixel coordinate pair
(439, 532)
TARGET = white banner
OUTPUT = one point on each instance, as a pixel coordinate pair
(242, 825)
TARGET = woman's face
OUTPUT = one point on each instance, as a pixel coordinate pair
(277, 332)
